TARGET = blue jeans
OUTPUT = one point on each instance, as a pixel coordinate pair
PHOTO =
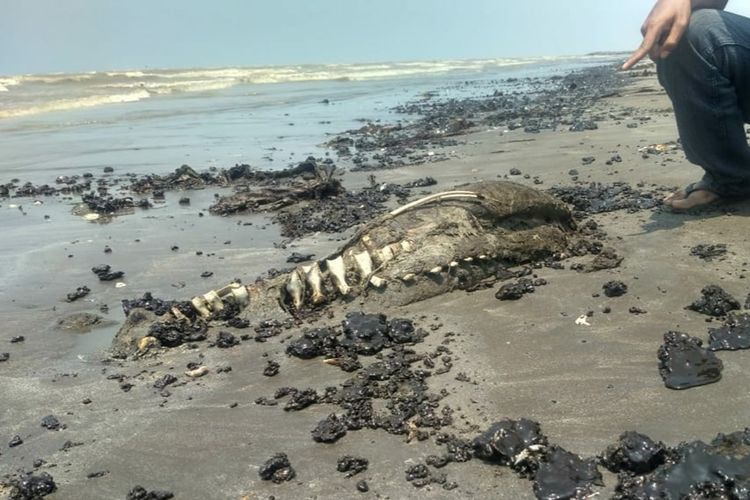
(708, 79)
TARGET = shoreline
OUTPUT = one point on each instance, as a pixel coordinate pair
(195, 443)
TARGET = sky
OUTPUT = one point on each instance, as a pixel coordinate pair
(41, 36)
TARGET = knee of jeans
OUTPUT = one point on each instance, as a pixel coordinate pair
(706, 32)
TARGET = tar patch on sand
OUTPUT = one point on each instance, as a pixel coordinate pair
(734, 334)
(684, 363)
(714, 301)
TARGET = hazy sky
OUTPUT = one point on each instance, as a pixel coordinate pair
(78, 35)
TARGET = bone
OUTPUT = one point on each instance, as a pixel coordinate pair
(434, 197)
(384, 255)
(146, 343)
(338, 274)
(296, 289)
(368, 243)
(198, 372)
(364, 264)
(214, 301)
(178, 314)
(436, 270)
(315, 280)
(199, 303)
(226, 290)
(377, 281)
(241, 296)
(408, 277)
(395, 248)
(234, 291)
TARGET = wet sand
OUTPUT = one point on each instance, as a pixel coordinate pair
(525, 358)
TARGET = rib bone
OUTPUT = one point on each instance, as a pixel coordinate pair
(447, 195)
(364, 264)
(296, 288)
(338, 274)
(314, 279)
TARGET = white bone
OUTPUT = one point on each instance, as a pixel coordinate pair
(436, 270)
(377, 281)
(198, 372)
(296, 289)
(214, 301)
(338, 273)
(314, 279)
(200, 305)
(178, 314)
(241, 296)
(434, 197)
(364, 264)
(384, 254)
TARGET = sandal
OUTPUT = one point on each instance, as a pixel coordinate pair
(680, 201)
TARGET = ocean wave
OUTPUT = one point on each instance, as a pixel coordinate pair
(68, 104)
(61, 91)
(169, 87)
(8, 82)
(290, 73)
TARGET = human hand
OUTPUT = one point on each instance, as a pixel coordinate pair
(662, 30)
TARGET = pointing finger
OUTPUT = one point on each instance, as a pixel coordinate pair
(649, 40)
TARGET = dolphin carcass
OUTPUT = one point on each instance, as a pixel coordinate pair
(445, 241)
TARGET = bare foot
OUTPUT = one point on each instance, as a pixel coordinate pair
(677, 195)
(698, 198)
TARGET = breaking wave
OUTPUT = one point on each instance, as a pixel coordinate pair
(67, 104)
(25, 95)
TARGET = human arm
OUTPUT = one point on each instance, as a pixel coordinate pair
(665, 26)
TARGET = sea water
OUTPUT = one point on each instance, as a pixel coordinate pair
(153, 121)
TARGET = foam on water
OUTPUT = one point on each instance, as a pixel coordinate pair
(67, 104)
(26, 95)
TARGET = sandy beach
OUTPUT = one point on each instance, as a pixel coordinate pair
(529, 358)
